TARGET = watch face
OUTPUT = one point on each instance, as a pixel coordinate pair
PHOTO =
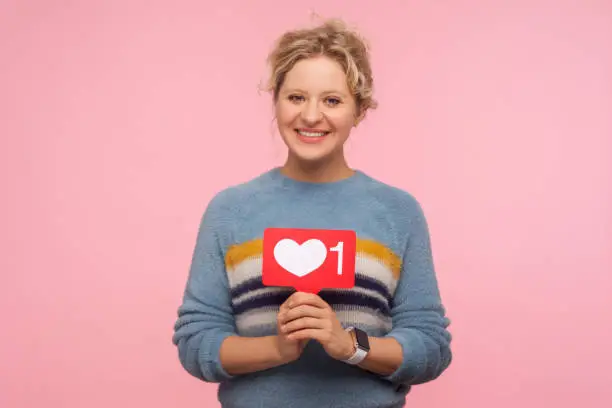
(362, 339)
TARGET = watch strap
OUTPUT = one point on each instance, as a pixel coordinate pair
(359, 355)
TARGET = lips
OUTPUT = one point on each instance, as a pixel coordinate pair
(311, 135)
(307, 132)
(311, 132)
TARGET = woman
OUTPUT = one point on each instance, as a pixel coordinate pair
(275, 347)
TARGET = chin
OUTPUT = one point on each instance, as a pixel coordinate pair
(310, 153)
(310, 156)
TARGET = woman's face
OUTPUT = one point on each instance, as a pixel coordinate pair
(315, 110)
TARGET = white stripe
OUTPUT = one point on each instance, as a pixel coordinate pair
(266, 317)
(258, 317)
(246, 270)
(366, 292)
(365, 266)
(368, 266)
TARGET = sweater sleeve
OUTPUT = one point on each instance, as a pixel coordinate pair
(418, 316)
(205, 316)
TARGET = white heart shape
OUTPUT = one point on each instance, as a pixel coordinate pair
(300, 260)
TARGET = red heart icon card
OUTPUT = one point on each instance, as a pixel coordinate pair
(309, 259)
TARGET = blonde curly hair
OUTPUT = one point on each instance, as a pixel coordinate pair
(335, 40)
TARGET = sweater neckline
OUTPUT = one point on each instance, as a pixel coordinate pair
(286, 181)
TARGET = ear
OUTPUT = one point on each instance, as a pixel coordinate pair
(359, 117)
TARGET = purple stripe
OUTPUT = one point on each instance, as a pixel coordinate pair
(360, 281)
(333, 297)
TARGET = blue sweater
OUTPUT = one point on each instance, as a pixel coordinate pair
(395, 294)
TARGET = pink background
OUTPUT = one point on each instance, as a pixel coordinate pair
(120, 119)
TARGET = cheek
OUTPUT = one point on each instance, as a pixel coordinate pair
(342, 122)
(285, 115)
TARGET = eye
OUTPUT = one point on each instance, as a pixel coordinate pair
(333, 101)
(295, 98)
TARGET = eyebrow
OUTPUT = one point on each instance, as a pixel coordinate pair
(290, 90)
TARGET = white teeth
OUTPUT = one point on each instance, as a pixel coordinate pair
(311, 134)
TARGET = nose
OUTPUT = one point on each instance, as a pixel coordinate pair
(311, 112)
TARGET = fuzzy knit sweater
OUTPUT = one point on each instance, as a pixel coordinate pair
(395, 293)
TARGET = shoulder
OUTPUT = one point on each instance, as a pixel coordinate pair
(397, 201)
(233, 199)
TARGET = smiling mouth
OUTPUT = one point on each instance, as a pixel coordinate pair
(311, 133)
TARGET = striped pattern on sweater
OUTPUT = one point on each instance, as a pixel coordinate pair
(367, 305)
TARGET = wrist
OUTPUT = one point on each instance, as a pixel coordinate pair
(277, 357)
(361, 346)
(350, 347)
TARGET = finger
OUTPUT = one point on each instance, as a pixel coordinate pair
(281, 316)
(303, 311)
(293, 299)
(303, 323)
(303, 298)
(285, 304)
(284, 307)
(314, 334)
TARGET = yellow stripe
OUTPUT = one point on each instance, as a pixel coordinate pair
(254, 248)
(240, 252)
(381, 253)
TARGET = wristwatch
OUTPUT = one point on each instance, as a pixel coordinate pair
(362, 345)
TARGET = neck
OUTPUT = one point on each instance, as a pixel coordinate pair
(317, 172)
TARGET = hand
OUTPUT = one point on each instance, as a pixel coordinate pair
(288, 349)
(309, 317)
